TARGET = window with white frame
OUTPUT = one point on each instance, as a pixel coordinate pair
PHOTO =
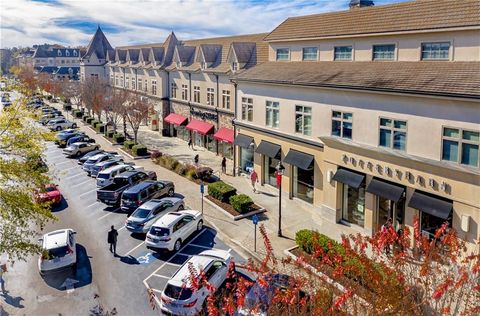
(283, 54)
(112, 79)
(74, 53)
(59, 52)
(196, 94)
(226, 99)
(343, 53)
(134, 83)
(154, 87)
(184, 92)
(234, 66)
(393, 134)
(342, 124)
(384, 52)
(310, 53)
(146, 85)
(116, 80)
(140, 87)
(435, 51)
(461, 146)
(174, 89)
(247, 109)
(210, 96)
(121, 82)
(203, 65)
(303, 120)
(127, 82)
(67, 53)
(272, 114)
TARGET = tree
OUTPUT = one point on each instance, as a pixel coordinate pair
(69, 90)
(115, 108)
(21, 147)
(93, 95)
(138, 110)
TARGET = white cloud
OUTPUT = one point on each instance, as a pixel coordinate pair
(26, 23)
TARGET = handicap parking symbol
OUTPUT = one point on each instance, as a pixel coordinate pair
(146, 258)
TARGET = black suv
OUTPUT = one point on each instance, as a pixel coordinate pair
(144, 191)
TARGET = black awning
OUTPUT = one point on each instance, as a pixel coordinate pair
(386, 190)
(351, 178)
(299, 159)
(431, 205)
(243, 141)
(268, 149)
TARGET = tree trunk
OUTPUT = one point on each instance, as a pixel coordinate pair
(135, 132)
(125, 127)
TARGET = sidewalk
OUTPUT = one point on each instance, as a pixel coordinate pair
(296, 214)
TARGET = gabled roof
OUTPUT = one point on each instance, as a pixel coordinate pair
(400, 17)
(453, 79)
(41, 52)
(132, 54)
(157, 54)
(211, 52)
(98, 45)
(244, 51)
(185, 54)
(144, 54)
(120, 55)
(110, 55)
(48, 69)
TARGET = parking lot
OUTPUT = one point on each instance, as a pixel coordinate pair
(98, 272)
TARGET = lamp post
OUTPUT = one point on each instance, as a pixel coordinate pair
(280, 168)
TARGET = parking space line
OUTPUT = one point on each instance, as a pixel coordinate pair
(60, 163)
(81, 183)
(182, 254)
(121, 228)
(158, 291)
(173, 264)
(161, 276)
(96, 202)
(131, 250)
(88, 192)
(200, 246)
(109, 213)
(70, 169)
(73, 175)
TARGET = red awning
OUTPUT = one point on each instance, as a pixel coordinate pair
(176, 119)
(199, 126)
(225, 135)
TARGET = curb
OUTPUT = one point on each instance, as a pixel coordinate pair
(233, 217)
(252, 254)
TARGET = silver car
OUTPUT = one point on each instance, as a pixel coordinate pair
(80, 148)
(92, 161)
(104, 165)
(105, 177)
(146, 214)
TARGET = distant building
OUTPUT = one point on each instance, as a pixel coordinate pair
(93, 61)
(57, 61)
(5, 60)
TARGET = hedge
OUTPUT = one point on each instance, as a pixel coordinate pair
(306, 239)
(139, 150)
(118, 138)
(85, 117)
(110, 134)
(94, 123)
(221, 191)
(242, 203)
(100, 128)
(49, 97)
(89, 120)
(128, 144)
(78, 114)
(67, 107)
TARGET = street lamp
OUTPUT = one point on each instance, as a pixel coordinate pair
(280, 168)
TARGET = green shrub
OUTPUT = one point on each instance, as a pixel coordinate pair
(242, 203)
(89, 120)
(181, 169)
(100, 128)
(155, 154)
(168, 162)
(190, 172)
(221, 191)
(139, 150)
(118, 138)
(49, 97)
(85, 117)
(304, 240)
(94, 123)
(79, 114)
(128, 144)
(110, 134)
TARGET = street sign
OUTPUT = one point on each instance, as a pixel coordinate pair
(255, 219)
(255, 222)
(202, 188)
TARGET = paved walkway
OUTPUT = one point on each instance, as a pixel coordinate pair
(296, 214)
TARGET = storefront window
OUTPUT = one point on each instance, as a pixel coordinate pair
(182, 133)
(198, 139)
(211, 143)
(303, 184)
(389, 209)
(429, 224)
(246, 159)
(353, 208)
(270, 169)
(225, 149)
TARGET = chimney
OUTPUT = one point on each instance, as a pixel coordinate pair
(360, 3)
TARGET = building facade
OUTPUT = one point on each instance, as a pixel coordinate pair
(60, 62)
(93, 62)
(372, 118)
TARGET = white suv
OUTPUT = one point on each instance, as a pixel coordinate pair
(172, 229)
(178, 297)
(58, 251)
(105, 177)
(59, 124)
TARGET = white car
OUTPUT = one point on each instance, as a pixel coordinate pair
(105, 177)
(58, 251)
(172, 229)
(60, 123)
(178, 297)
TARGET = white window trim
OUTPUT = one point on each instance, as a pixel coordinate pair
(392, 129)
(276, 54)
(318, 53)
(460, 140)
(395, 54)
(436, 40)
(303, 120)
(265, 116)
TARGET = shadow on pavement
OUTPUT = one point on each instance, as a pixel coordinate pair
(128, 259)
(77, 277)
(10, 300)
(61, 206)
(138, 236)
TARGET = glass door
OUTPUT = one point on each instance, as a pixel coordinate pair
(353, 208)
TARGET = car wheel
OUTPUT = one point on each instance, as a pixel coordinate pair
(58, 128)
(180, 208)
(77, 154)
(171, 192)
(74, 125)
(199, 225)
(97, 148)
(177, 245)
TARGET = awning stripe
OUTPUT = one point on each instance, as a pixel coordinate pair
(431, 205)
(200, 127)
(386, 190)
(348, 177)
(299, 159)
(268, 149)
(224, 134)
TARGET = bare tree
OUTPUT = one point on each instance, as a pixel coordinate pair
(115, 107)
(70, 89)
(93, 95)
(138, 110)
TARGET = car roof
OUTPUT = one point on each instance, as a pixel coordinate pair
(57, 238)
(78, 143)
(106, 162)
(140, 186)
(154, 202)
(127, 174)
(97, 156)
(112, 168)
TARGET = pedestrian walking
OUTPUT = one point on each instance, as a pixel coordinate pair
(3, 269)
(112, 240)
(190, 143)
(196, 159)
(254, 179)
(386, 230)
(224, 165)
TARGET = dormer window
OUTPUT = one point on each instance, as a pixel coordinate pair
(203, 65)
(59, 53)
(234, 66)
(179, 64)
(67, 53)
(74, 53)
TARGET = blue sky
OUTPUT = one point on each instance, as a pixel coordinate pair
(72, 22)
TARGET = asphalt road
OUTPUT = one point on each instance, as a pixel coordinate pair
(101, 280)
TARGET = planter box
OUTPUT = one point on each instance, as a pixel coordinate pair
(216, 205)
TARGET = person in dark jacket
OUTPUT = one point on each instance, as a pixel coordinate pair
(112, 240)
(224, 165)
(195, 160)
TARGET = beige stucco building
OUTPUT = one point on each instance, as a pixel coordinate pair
(372, 118)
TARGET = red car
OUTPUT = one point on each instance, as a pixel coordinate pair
(48, 194)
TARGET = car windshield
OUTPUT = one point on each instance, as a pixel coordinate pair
(141, 213)
(159, 231)
(129, 196)
(177, 292)
(103, 176)
(57, 252)
(50, 189)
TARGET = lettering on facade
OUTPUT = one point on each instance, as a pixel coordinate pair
(204, 115)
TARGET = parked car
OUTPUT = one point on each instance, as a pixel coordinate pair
(105, 177)
(140, 193)
(104, 165)
(48, 194)
(62, 138)
(260, 297)
(111, 194)
(59, 124)
(80, 148)
(58, 251)
(172, 229)
(80, 139)
(48, 117)
(146, 214)
(92, 161)
(88, 155)
(179, 298)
